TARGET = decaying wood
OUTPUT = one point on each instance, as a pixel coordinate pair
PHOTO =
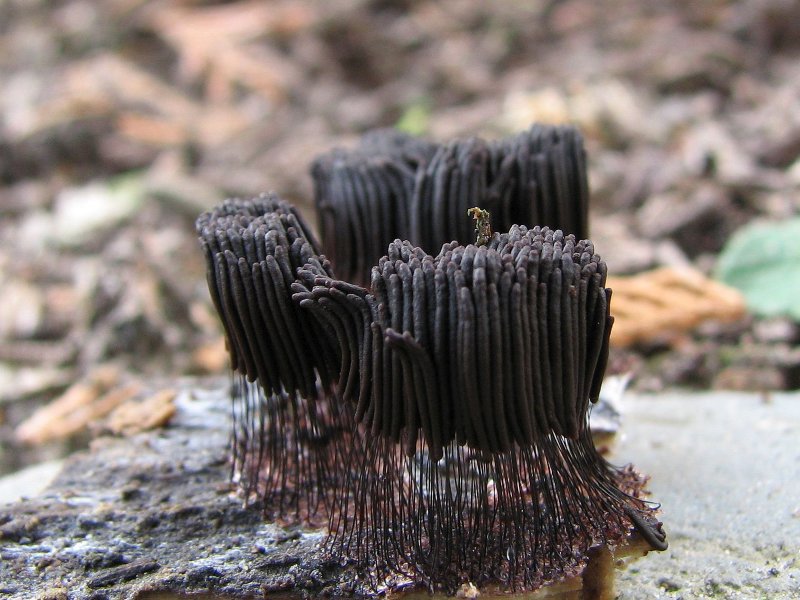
(154, 515)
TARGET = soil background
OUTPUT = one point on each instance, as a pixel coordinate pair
(121, 121)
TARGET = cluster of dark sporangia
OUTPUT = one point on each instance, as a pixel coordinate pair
(398, 187)
(438, 417)
(284, 419)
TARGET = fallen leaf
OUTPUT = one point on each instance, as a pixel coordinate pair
(666, 303)
(762, 261)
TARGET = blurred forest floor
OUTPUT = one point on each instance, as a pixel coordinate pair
(121, 121)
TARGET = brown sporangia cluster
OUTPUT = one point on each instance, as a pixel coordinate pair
(396, 186)
(438, 417)
(283, 407)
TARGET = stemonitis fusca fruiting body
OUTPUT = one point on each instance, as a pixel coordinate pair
(438, 416)
(393, 186)
(287, 431)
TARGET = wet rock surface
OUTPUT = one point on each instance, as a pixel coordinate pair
(156, 513)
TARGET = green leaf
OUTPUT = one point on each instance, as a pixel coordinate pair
(762, 261)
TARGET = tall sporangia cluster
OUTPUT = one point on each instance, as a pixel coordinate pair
(397, 187)
(286, 427)
(439, 416)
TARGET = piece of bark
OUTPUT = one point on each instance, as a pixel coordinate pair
(155, 513)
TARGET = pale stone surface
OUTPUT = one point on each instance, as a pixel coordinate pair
(726, 468)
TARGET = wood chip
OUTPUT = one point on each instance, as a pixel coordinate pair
(664, 304)
(147, 129)
(83, 402)
(136, 416)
